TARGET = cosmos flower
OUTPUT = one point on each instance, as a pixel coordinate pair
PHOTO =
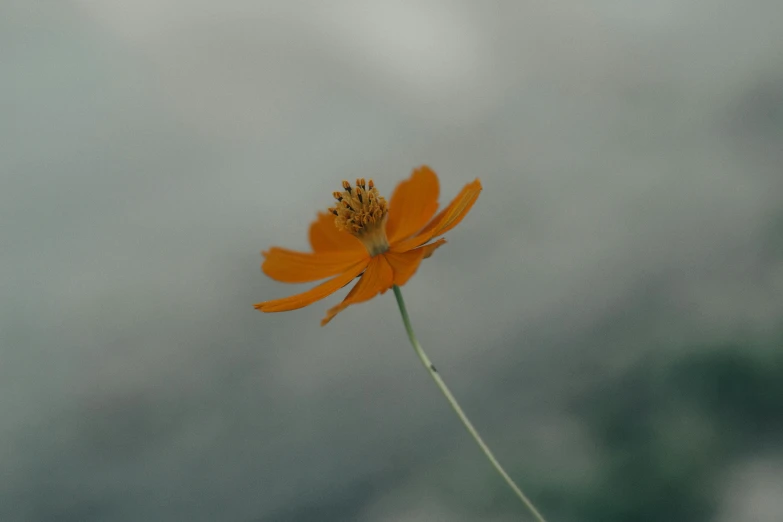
(363, 235)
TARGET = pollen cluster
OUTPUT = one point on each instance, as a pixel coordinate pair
(362, 211)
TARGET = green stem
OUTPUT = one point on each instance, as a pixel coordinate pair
(454, 404)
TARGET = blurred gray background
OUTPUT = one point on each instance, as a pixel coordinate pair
(609, 313)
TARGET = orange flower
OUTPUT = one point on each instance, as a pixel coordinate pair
(363, 236)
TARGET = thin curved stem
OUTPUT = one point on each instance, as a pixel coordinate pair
(454, 404)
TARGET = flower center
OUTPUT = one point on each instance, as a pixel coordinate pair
(362, 212)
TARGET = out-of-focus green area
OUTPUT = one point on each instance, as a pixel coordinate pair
(669, 431)
(666, 433)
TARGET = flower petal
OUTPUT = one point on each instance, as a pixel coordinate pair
(289, 266)
(377, 278)
(412, 204)
(432, 247)
(447, 219)
(405, 264)
(458, 208)
(314, 294)
(325, 237)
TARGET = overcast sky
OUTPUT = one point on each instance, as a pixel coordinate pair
(630, 154)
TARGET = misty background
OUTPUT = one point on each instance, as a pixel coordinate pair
(609, 313)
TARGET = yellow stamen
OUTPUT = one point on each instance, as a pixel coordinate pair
(362, 212)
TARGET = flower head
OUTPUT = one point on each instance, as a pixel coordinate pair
(363, 235)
